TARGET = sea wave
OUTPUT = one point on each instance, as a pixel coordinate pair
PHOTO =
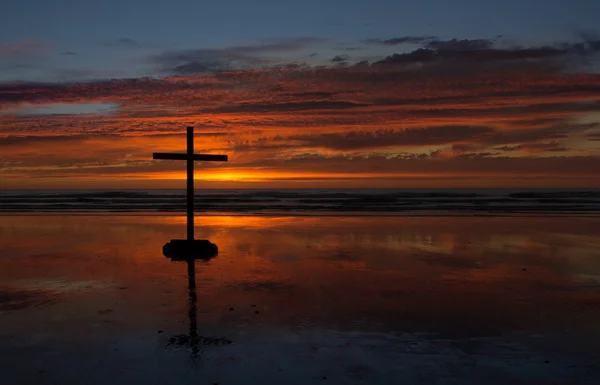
(304, 201)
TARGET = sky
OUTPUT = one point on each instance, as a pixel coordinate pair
(376, 93)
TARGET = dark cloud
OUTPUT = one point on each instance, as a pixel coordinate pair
(358, 140)
(288, 106)
(362, 65)
(475, 155)
(480, 165)
(561, 131)
(462, 148)
(466, 140)
(536, 147)
(537, 122)
(199, 67)
(68, 53)
(459, 45)
(69, 74)
(470, 164)
(173, 57)
(419, 55)
(339, 59)
(430, 55)
(498, 121)
(29, 91)
(402, 40)
(557, 109)
(403, 95)
(276, 45)
(187, 62)
(483, 51)
(309, 94)
(12, 140)
(22, 48)
(22, 142)
(594, 136)
(37, 92)
(123, 42)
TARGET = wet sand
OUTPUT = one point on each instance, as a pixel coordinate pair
(342, 300)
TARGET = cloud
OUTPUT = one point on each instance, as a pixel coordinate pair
(396, 94)
(339, 59)
(417, 56)
(467, 165)
(15, 141)
(459, 45)
(66, 109)
(309, 94)
(483, 52)
(198, 67)
(401, 40)
(24, 48)
(481, 55)
(286, 106)
(276, 45)
(536, 147)
(123, 42)
(392, 138)
(69, 74)
(464, 140)
(464, 148)
(560, 131)
(186, 62)
(449, 118)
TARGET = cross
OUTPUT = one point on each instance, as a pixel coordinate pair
(190, 157)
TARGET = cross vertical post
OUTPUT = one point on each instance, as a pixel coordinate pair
(190, 245)
(190, 183)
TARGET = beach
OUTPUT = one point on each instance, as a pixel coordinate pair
(300, 299)
(300, 193)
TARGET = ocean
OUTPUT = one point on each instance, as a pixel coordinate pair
(309, 201)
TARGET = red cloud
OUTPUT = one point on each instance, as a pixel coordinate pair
(286, 122)
(24, 48)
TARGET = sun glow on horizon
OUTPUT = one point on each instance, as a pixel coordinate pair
(233, 175)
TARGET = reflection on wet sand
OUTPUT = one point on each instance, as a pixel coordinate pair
(193, 341)
(351, 299)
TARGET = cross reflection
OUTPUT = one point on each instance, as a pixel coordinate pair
(192, 341)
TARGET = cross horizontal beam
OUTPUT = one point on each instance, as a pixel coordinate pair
(201, 157)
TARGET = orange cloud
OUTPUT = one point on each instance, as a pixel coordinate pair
(302, 125)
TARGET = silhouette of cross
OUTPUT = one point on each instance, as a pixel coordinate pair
(190, 157)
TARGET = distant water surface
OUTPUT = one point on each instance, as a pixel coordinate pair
(307, 201)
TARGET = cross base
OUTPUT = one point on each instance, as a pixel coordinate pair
(184, 250)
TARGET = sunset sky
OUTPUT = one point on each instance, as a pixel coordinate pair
(429, 93)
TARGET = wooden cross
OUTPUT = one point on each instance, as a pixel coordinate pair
(190, 157)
